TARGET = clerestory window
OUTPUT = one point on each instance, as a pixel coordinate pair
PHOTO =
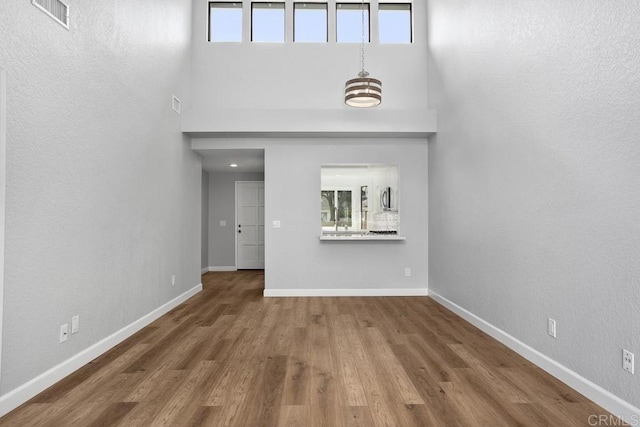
(394, 23)
(309, 22)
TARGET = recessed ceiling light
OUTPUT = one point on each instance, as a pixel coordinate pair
(233, 165)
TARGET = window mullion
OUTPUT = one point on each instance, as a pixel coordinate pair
(246, 21)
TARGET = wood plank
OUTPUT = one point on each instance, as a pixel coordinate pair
(323, 398)
(351, 388)
(297, 382)
(171, 410)
(358, 416)
(113, 414)
(392, 371)
(265, 398)
(153, 400)
(237, 399)
(499, 386)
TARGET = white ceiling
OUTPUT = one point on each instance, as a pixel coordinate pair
(218, 160)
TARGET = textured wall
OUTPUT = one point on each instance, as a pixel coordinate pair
(204, 221)
(294, 252)
(534, 174)
(222, 206)
(3, 176)
(103, 192)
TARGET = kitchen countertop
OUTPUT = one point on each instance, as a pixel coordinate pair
(357, 236)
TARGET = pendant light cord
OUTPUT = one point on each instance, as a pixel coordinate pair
(362, 72)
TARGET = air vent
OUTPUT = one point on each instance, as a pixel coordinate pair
(55, 9)
(176, 104)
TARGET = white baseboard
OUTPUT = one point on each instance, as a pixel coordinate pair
(20, 395)
(388, 292)
(204, 270)
(222, 268)
(612, 403)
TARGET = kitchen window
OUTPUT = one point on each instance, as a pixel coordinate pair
(336, 208)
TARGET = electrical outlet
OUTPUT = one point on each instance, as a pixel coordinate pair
(276, 224)
(551, 327)
(628, 363)
(64, 332)
(75, 323)
(407, 272)
(173, 280)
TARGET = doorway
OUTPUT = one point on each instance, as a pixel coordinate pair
(250, 225)
(222, 169)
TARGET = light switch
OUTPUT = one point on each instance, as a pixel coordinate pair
(223, 223)
(276, 224)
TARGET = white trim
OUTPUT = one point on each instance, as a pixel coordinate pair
(218, 268)
(222, 268)
(385, 292)
(235, 218)
(51, 15)
(18, 396)
(592, 391)
(3, 175)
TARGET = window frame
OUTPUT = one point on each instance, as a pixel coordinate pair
(326, 21)
(332, 11)
(209, 27)
(381, 8)
(284, 21)
(351, 218)
(367, 4)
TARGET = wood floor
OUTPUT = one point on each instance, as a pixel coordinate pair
(230, 357)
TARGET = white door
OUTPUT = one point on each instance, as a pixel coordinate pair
(249, 225)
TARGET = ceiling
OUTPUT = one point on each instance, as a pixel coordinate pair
(218, 160)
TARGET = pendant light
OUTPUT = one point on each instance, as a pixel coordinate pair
(363, 91)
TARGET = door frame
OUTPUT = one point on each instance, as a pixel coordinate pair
(235, 208)
(3, 185)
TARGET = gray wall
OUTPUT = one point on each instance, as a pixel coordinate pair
(103, 191)
(295, 257)
(222, 206)
(534, 175)
(204, 220)
(3, 176)
(289, 67)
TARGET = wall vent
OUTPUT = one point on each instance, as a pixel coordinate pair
(55, 9)
(176, 104)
